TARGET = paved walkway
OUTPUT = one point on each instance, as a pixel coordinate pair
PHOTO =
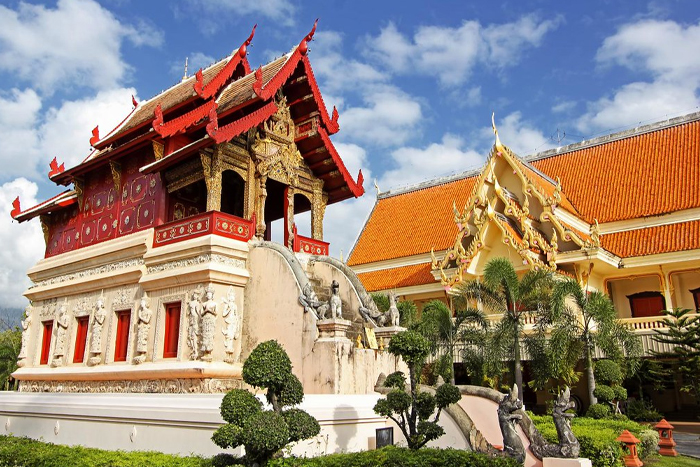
(687, 436)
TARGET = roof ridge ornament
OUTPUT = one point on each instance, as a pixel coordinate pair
(304, 44)
(95, 136)
(16, 209)
(55, 168)
(243, 49)
(497, 144)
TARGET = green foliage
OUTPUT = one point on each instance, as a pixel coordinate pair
(238, 405)
(301, 425)
(642, 411)
(392, 456)
(682, 332)
(407, 308)
(411, 410)
(620, 393)
(410, 346)
(267, 366)
(10, 344)
(604, 393)
(648, 441)
(264, 433)
(598, 411)
(608, 372)
(597, 437)
(30, 453)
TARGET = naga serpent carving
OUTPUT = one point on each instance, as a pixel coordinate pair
(507, 420)
(568, 446)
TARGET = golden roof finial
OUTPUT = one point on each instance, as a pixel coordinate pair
(376, 187)
(498, 144)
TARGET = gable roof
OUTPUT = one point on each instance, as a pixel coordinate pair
(647, 171)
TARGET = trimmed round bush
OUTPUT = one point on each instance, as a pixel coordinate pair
(237, 405)
(301, 425)
(620, 393)
(607, 371)
(604, 392)
(399, 400)
(292, 392)
(598, 411)
(447, 394)
(227, 436)
(264, 434)
(267, 366)
(425, 405)
(396, 380)
(410, 346)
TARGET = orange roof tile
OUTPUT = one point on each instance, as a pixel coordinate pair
(404, 276)
(653, 240)
(412, 223)
(643, 175)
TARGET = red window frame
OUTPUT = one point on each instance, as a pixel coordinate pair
(122, 344)
(81, 339)
(172, 329)
(696, 298)
(644, 304)
(46, 342)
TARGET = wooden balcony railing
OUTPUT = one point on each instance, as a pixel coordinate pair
(309, 245)
(212, 222)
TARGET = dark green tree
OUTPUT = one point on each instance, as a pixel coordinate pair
(682, 334)
(10, 344)
(264, 433)
(502, 292)
(445, 331)
(581, 320)
(411, 408)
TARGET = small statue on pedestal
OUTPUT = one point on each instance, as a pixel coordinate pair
(336, 304)
(230, 330)
(61, 331)
(194, 312)
(98, 320)
(208, 324)
(142, 331)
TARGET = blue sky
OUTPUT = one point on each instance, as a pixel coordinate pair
(415, 83)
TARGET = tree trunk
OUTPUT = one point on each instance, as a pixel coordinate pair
(590, 376)
(517, 368)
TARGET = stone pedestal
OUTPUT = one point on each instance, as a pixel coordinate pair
(386, 333)
(333, 329)
(559, 462)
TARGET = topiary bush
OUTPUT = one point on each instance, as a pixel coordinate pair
(264, 433)
(408, 407)
(598, 411)
(608, 388)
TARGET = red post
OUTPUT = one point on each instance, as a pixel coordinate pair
(666, 443)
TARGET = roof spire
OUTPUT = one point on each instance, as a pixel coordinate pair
(243, 49)
(498, 144)
(184, 77)
(304, 44)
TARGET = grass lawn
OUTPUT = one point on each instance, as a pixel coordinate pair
(680, 461)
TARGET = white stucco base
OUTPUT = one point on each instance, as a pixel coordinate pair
(183, 423)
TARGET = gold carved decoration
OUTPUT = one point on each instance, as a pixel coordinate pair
(116, 169)
(45, 228)
(79, 186)
(158, 150)
(275, 152)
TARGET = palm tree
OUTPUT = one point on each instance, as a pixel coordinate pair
(502, 292)
(443, 330)
(588, 319)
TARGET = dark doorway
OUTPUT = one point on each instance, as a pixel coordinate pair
(232, 193)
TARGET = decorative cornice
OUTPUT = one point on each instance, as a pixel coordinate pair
(200, 259)
(112, 267)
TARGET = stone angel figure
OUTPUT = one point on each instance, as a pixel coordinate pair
(143, 328)
(25, 323)
(230, 330)
(208, 324)
(98, 321)
(59, 347)
(194, 313)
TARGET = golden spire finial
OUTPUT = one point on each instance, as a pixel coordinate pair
(376, 187)
(184, 77)
(498, 144)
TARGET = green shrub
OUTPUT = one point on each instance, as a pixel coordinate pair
(649, 441)
(392, 456)
(598, 411)
(30, 453)
(597, 437)
(604, 392)
(411, 346)
(642, 411)
(620, 393)
(265, 432)
(607, 371)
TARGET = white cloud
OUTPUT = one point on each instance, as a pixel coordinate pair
(518, 135)
(390, 117)
(195, 61)
(415, 165)
(563, 106)
(663, 50)
(32, 139)
(451, 54)
(23, 244)
(75, 44)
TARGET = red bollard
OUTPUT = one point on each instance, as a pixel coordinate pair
(630, 442)
(666, 442)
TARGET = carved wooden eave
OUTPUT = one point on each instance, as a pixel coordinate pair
(511, 208)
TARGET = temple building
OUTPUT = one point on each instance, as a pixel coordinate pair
(620, 213)
(159, 275)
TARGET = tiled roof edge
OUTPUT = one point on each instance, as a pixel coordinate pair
(636, 131)
(430, 183)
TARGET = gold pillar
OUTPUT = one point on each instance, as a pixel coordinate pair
(211, 165)
(260, 206)
(318, 209)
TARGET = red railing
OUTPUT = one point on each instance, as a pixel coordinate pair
(212, 222)
(309, 245)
